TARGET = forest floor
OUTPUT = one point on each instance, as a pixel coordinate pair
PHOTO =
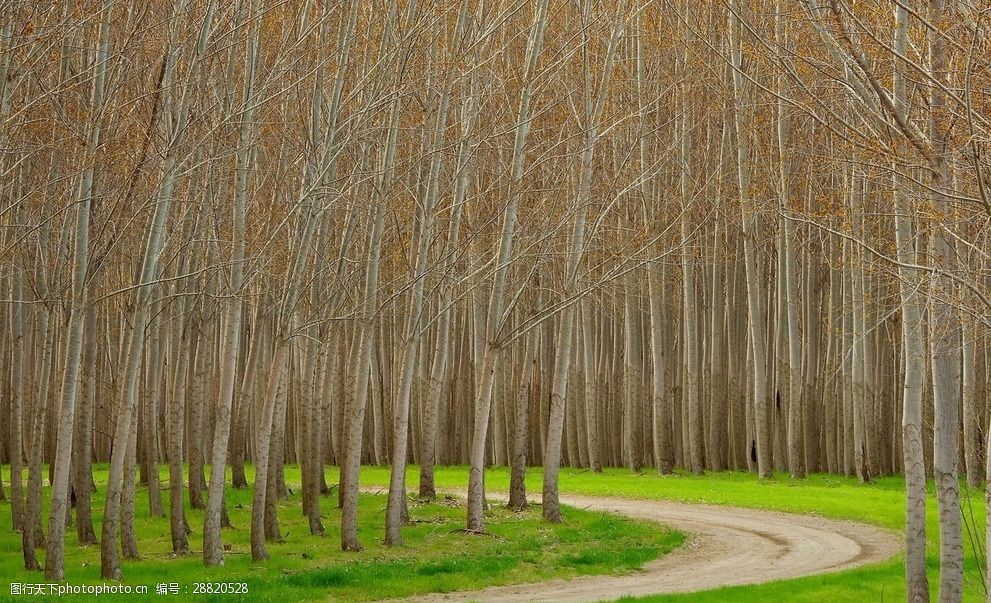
(439, 558)
(437, 555)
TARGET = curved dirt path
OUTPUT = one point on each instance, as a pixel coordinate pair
(726, 546)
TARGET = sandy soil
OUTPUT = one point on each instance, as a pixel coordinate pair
(726, 546)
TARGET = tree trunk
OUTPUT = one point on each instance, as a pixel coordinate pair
(483, 399)
(15, 449)
(517, 477)
(795, 401)
(127, 417)
(755, 312)
(232, 307)
(263, 442)
(31, 535)
(944, 333)
(566, 336)
(972, 414)
(913, 352)
(396, 512)
(82, 480)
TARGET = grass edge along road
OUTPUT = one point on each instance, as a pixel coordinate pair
(880, 503)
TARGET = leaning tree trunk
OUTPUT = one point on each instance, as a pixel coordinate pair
(280, 360)
(177, 111)
(355, 421)
(396, 511)
(273, 414)
(566, 336)
(483, 398)
(354, 429)
(58, 509)
(350, 468)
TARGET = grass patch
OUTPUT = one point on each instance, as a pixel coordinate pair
(438, 556)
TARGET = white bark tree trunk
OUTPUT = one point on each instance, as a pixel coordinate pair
(178, 110)
(232, 311)
(944, 333)
(755, 313)
(913, 352)
(483, 399)
(566, 337)
(794, 399)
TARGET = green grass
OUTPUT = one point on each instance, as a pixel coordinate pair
(438, 556)
(880, 503)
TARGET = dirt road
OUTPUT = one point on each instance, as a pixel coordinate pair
(727, 546)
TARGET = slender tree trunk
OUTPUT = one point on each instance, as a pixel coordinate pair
(567, 336)
(199, 392)
(353, 430)
(149, 417)
(275, 477)
(17, 385)
(517, 478)
(795, 400)
(356, 419)
(591, 394)
(396, 513)
(58, 509)
(232, 307)
(690, 320)
(483, 399)
(661, 411)
(242, 410)
(31, 535)
(177, 110)
(82, 479)
(179, 528)
(858, 356)
(944, 334)
(439, 370)
(632, 376)
(972, 414)
(280, 360)
(127, 417)
(913, 352)
(755, 313)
